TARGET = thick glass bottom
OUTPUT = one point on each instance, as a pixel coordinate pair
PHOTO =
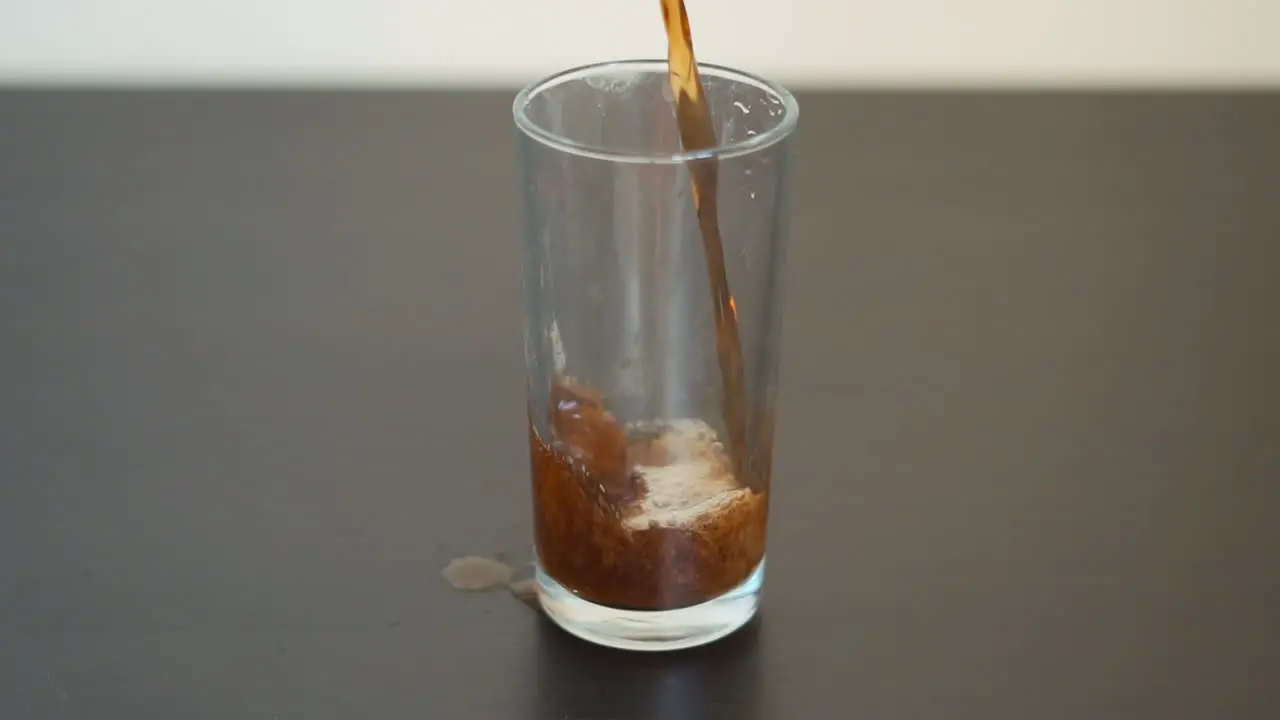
(651, 629)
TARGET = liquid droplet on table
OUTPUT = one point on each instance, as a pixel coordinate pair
(526, 591)
(476, 573)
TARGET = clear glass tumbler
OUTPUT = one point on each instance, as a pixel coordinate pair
(649, 534)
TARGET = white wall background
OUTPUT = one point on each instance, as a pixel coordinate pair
(504, 42)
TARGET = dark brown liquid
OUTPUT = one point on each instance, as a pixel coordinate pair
(593, 535)
(586, 488)
(693, 116)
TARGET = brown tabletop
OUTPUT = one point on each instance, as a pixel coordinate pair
(261, 378)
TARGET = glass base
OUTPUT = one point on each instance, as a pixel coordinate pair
(651, 629)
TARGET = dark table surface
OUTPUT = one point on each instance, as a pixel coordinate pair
(261, 378)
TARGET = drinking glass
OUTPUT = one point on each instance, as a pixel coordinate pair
(650, 511)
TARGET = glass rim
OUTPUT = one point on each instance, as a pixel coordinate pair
(755, 143)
